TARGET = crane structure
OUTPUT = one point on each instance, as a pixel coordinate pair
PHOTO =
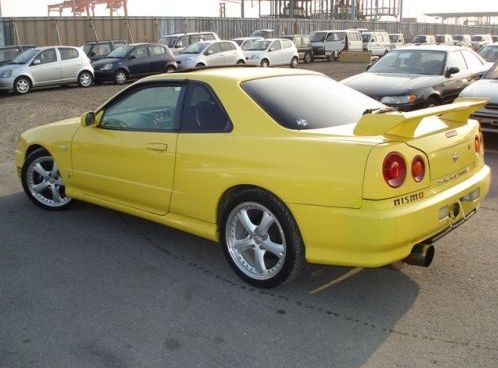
(87, 7)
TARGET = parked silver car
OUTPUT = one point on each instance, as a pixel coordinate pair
(210, 53)
(271, 52)
(486, 87)
(46, 66)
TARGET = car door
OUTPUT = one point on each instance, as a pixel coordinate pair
(455, 83)
(275, 54)
(157, 58)
(70, 64)
(476, 66)
(231, 54)
(214, 54)
(139, 61)
(45, 68)
(129, 157)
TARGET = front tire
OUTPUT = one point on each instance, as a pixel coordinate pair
(85, 79)
(42, 182)
(265, 63)
(241, 62)
(22, 85)
(261, 240)
(120, 77)
(308, 58)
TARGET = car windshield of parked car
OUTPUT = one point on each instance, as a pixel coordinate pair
(318, 36)
(489, 53)
(411, 62)
(302, 102)
(458, 38)
(366, 37)
(195, 48)
(238, 41)
(420, 39)
(476, 38)
(393, 38)
(120, 52)
(169, 41)
(25, 57)
(440, 39)
(492, 73)
(259, 45)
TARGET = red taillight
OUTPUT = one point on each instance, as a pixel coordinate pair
(394, 169)
(477, 145)
(418, 169)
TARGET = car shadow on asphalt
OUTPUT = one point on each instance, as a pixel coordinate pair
(94, 286)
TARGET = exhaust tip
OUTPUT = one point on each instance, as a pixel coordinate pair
(421, 255)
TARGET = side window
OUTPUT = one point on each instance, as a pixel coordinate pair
(215, 48)
(101, 49)
(67, 53)
(276, 45)
(152, 108)
(202, 112)
(208, 37)
(472, 61)
(47, 56)
(331, 37)
(184, 40)
(156, 50)
(140, 52)
(118, 44)
(196, 38)
(456, 60)
(227, 46)
(287, 44)
(306, 40)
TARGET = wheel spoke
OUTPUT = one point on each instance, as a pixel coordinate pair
(246, 222)
(55, 194)
(259, 257)
(243, 244)
(41, 186)
(40, 170)
(266, 221)
(274, 248)
(53, 172)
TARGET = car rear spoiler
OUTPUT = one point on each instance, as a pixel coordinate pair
(405, 124)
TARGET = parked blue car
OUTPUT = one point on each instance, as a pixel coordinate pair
(134, 61)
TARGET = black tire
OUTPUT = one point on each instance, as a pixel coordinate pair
(22, 85)
(85, 79)
(170, 69)
(34, 157)
(308, 58)
(200, 65)
(293, 258)
(265, 63)
(432, 101)
(241, 62)
(120, 77)
(294, 62)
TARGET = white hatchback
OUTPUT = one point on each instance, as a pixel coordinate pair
(272, 51)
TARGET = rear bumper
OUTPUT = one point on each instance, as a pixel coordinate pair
(380, 233)
(104, 76)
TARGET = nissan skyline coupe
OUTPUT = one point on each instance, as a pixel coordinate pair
(282, 167)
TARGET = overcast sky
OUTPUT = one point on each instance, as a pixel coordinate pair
(413, 8)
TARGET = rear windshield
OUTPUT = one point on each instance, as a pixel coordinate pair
(302, 102)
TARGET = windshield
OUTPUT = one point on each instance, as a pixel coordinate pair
(393, 38)
(120, 52)
(411, 62)
(458, 38)
(318, 36)
(238, 42)
(366, 37)
(261, 33)
(195, 48)
(489, 53)
(259, 45)
(420, 39)
(439, 38)
(169, 41)
(302, 102)
(492, 73)
(477, 38)
(25, 56)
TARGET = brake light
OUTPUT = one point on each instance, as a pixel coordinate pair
(477, 145)
(418, 169)
(394, 169)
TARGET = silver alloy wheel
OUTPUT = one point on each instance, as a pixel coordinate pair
(45, 183)
(22, 85)
(85, 79)
(255, 240)
(120, 77)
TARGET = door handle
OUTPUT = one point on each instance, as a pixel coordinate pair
(161, 147)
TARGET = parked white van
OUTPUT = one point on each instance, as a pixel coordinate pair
(444, 39)
(480, 40)
(378, 43)
(462, 40)
(424, 39)
(331, 43)
(397, 40)
(178, 41)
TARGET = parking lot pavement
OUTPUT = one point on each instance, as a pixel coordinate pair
(91, 287)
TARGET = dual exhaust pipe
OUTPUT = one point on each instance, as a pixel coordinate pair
(421, 255)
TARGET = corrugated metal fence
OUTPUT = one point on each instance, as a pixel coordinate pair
(76, 30)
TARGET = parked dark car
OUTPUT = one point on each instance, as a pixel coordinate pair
(134, 61)
(8, 53)
(303, 45)
(99, 49)
(415, 77)
(489, 52)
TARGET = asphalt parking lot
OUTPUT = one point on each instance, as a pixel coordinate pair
(91, 287)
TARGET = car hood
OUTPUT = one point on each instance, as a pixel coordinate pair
(487, 88)
(13, 67)
(104, 61)
(386, 84)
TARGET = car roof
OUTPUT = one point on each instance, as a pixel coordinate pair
(446, 48)
(189, 33)
(236, 74)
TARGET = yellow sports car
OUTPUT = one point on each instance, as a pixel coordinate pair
(281, 166)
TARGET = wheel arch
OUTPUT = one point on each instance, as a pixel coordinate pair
(27, 76)
(33, 147)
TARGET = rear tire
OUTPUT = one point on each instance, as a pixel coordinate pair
(308, 58)
(241, 62)
(294, 62)
(260, 239)
(85, 79)
(432, 101)
(121, 77)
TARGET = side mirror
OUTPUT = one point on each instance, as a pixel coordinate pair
(132, 57)
(88, 119)
(208, 52)
(452, 70)
(271, 49)
(36, 62)
(179, 44)
(368, 66)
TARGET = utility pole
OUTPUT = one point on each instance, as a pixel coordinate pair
(242, 9)
(353, 10)
(0, 8)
